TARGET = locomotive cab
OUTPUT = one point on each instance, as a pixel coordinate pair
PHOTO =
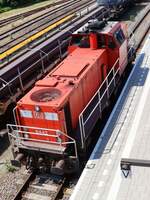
(103, 35)
(40, 127)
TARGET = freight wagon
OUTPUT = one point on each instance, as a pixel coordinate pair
(115, 4)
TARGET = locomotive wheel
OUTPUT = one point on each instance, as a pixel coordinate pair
(72, 165)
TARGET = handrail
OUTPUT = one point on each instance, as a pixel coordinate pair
(100, 86)
(31, 127)
(34, 64)
(100, 97)
(15, 130)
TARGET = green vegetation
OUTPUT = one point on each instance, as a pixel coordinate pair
(6, 5)
(9, 167)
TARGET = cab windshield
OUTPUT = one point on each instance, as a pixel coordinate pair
(82, 41)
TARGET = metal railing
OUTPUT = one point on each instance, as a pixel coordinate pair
(43, 68)
(17, 134)
(108, 83)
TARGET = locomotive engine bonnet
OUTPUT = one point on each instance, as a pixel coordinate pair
(47, 117)
(41, 107)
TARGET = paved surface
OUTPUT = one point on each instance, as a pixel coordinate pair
(126, 135)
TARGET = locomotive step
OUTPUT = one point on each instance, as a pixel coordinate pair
(50, 148)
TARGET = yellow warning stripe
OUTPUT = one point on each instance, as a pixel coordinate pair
(34, 37)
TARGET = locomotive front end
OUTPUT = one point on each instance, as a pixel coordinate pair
(40, 131)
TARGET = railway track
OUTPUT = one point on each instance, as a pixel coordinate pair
(14, 18)
(22, 35)
(38, 21)
(138, 30)
(35, 18)
(40, 186)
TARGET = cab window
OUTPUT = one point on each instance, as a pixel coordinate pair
(85, 42)
(101, 41)
(76, 40)
(119, 36)
(82, 41)
(111, 43)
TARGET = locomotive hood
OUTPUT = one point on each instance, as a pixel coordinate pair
(54, 90)
(47, 100)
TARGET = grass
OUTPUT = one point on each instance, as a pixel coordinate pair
(5, 8)
(9, 167)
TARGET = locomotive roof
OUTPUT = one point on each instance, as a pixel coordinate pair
(109, 27)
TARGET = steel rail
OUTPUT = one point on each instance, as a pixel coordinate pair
(26, 185)
(35, 36)
(11, 46)
(142, 19)
(36, 19)
(14, 18)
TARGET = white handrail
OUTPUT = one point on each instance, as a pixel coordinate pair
(100, 97)
(14, 131)
(100, 86)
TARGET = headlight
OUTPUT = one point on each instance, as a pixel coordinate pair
(26, 135)
(37, 109)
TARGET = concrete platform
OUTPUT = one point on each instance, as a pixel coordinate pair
(126, 135)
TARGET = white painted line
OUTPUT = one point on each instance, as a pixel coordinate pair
(116, 143)
(101, 184)
(105, 172)
(112, 152)
(95, 196)
(136, 121)
(115, 185)
(109, 161)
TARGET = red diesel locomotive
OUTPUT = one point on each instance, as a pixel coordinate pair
(54, 120)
